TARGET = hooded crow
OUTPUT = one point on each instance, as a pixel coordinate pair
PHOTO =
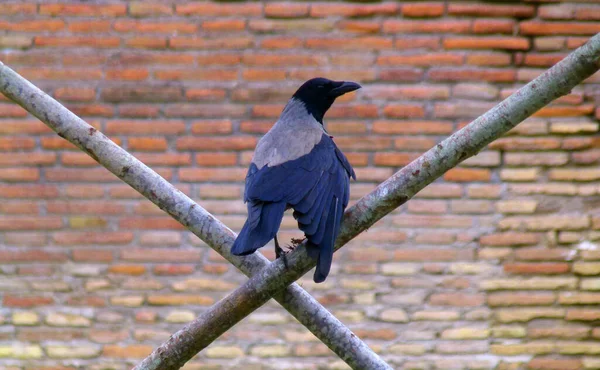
(297, 165)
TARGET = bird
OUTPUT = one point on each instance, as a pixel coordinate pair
(297, 165)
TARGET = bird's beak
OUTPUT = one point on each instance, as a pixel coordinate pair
(344, 87)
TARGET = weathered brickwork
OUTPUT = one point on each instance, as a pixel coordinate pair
(494, 266)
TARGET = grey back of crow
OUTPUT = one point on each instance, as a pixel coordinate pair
(297, 165)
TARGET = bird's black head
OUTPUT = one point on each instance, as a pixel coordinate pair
(319, 93)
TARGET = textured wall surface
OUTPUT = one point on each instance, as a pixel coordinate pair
(495, 266)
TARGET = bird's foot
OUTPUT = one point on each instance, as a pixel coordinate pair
(281, 253)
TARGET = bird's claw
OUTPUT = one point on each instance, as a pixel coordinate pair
(297, 241)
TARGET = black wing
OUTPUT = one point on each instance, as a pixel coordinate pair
(317, 186)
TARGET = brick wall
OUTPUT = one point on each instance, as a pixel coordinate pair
(494, 266)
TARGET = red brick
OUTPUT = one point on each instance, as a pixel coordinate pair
(216, 143)
(42, 58)
(143, 26)
(583, 315)
(520, 299)
(83, 10)
(565, 111)
(11, 143)
(543, 254)
(404, 111)
(216, 159)
(89, 26)
(537, 268)
(457, 299)
(263, 75)
(401, 74)
(196, 74)
(74, 174)
(427, 206)
(425, 255)
(28, 191)
(204, 110)
(92, 255)
(489, 10)
(259, 127)
(146, 9)
(504, 42)
(133, 74)
(134, 270)
(87, 301)
(211, 43)
(555, 364)
(147, 143)
(228, 25)
(489, 59)
(353, 10)
(212, 127)
(470, 74)
(283, 60)
(72, 93)
(49, 25)
(467, 174)
(421, 42)
(161, 223)
(509, 239)
(130, 351)
(23, 208)
(412, 127)
(164, 159)
(77, 159)
(587, 13)
(26, 301)
(517, 144)
(161, 255)
(493, 26)
(85, 238)
(423, 10)
(558, 28)
(364, 143)
(31, 255)
(152, 127)
(13, 111)
(144, 58)
(99, 110)
(77, 41)
(219, 9)
(542, 60)
(286, 10)
(83, 59)
(17, 9)
(360, 26)
(428, 59)
(212, 174)
(356, 43)
(202, 94)
(432, 221)
(353, 111)
(84, 207)
(30, 223)
(437, 26)
(173, 270)
(138, 111)
(281, 43)
(147, 42)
